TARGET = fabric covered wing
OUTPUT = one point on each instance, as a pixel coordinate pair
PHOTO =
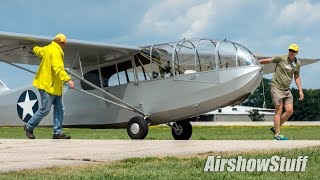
(15, 48)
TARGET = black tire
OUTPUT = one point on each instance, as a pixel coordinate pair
(184, 132)
(137, 128)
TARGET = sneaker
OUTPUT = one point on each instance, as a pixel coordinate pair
(29, 134)
(273, 131)
(280, 137)
(60, 136)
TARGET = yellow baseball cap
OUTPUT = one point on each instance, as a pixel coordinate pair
(61, 38)
(294, 47)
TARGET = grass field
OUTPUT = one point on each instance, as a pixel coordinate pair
(164, 132)
(174, 168)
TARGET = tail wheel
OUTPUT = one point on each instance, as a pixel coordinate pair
(137, 128)
(182, 130)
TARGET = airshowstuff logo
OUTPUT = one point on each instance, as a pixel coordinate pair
(27, 105)
(273, 164)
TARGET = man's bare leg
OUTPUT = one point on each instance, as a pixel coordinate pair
(276, 118)
(285, 116)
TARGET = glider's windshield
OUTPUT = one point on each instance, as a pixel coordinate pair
(200, 55)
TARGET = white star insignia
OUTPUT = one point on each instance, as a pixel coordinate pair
(27, 106)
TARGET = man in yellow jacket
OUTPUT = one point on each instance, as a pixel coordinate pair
(49, 80)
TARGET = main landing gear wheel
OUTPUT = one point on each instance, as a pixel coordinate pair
(137, 128)
(182, 130)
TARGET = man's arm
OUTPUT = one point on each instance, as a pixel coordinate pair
(298, 83)
(265, 61)
(58, 67)
(38, 51)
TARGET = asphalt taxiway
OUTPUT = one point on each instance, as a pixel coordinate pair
(19, 154)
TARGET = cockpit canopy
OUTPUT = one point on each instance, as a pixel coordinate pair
(171, 59)
(200, 55)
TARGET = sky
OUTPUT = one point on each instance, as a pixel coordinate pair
(264, 27)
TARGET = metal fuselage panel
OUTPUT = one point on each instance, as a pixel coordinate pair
(165, 100)
(83, 109)
(8, 107)
(190, 95)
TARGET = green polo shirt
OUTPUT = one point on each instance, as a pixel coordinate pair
(283, 73)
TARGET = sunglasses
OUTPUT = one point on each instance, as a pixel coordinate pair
(293, 51)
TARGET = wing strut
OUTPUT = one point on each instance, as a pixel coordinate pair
(20, 67)
(104, 99)
(123, 103)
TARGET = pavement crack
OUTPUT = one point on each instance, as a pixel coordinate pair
(75, 159)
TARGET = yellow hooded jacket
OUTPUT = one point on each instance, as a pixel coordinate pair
(51, 74)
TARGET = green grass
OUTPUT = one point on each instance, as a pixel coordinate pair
(174, 168)
(164, 132)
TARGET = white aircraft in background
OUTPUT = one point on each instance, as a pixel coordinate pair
(135, 87)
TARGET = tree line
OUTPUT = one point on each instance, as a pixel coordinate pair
(306, 110)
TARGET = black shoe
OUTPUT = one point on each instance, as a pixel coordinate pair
(29, 134)
(60, 136)
(273, 131)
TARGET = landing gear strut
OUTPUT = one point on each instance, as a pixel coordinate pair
(181, 130)
(137, 128)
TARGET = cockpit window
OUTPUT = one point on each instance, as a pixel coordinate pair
(226, 52)
(245, 58)
(206, 52)
(93, 77)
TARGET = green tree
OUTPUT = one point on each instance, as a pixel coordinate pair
(256, 99)
(309, 108)
(254, 115)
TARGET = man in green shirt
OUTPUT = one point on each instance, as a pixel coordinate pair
(287, 67)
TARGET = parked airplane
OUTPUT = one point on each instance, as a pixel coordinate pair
(135, 87)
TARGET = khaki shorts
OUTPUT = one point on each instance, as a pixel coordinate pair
(281, 96)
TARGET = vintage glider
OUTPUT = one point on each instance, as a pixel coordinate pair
(135, 87)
